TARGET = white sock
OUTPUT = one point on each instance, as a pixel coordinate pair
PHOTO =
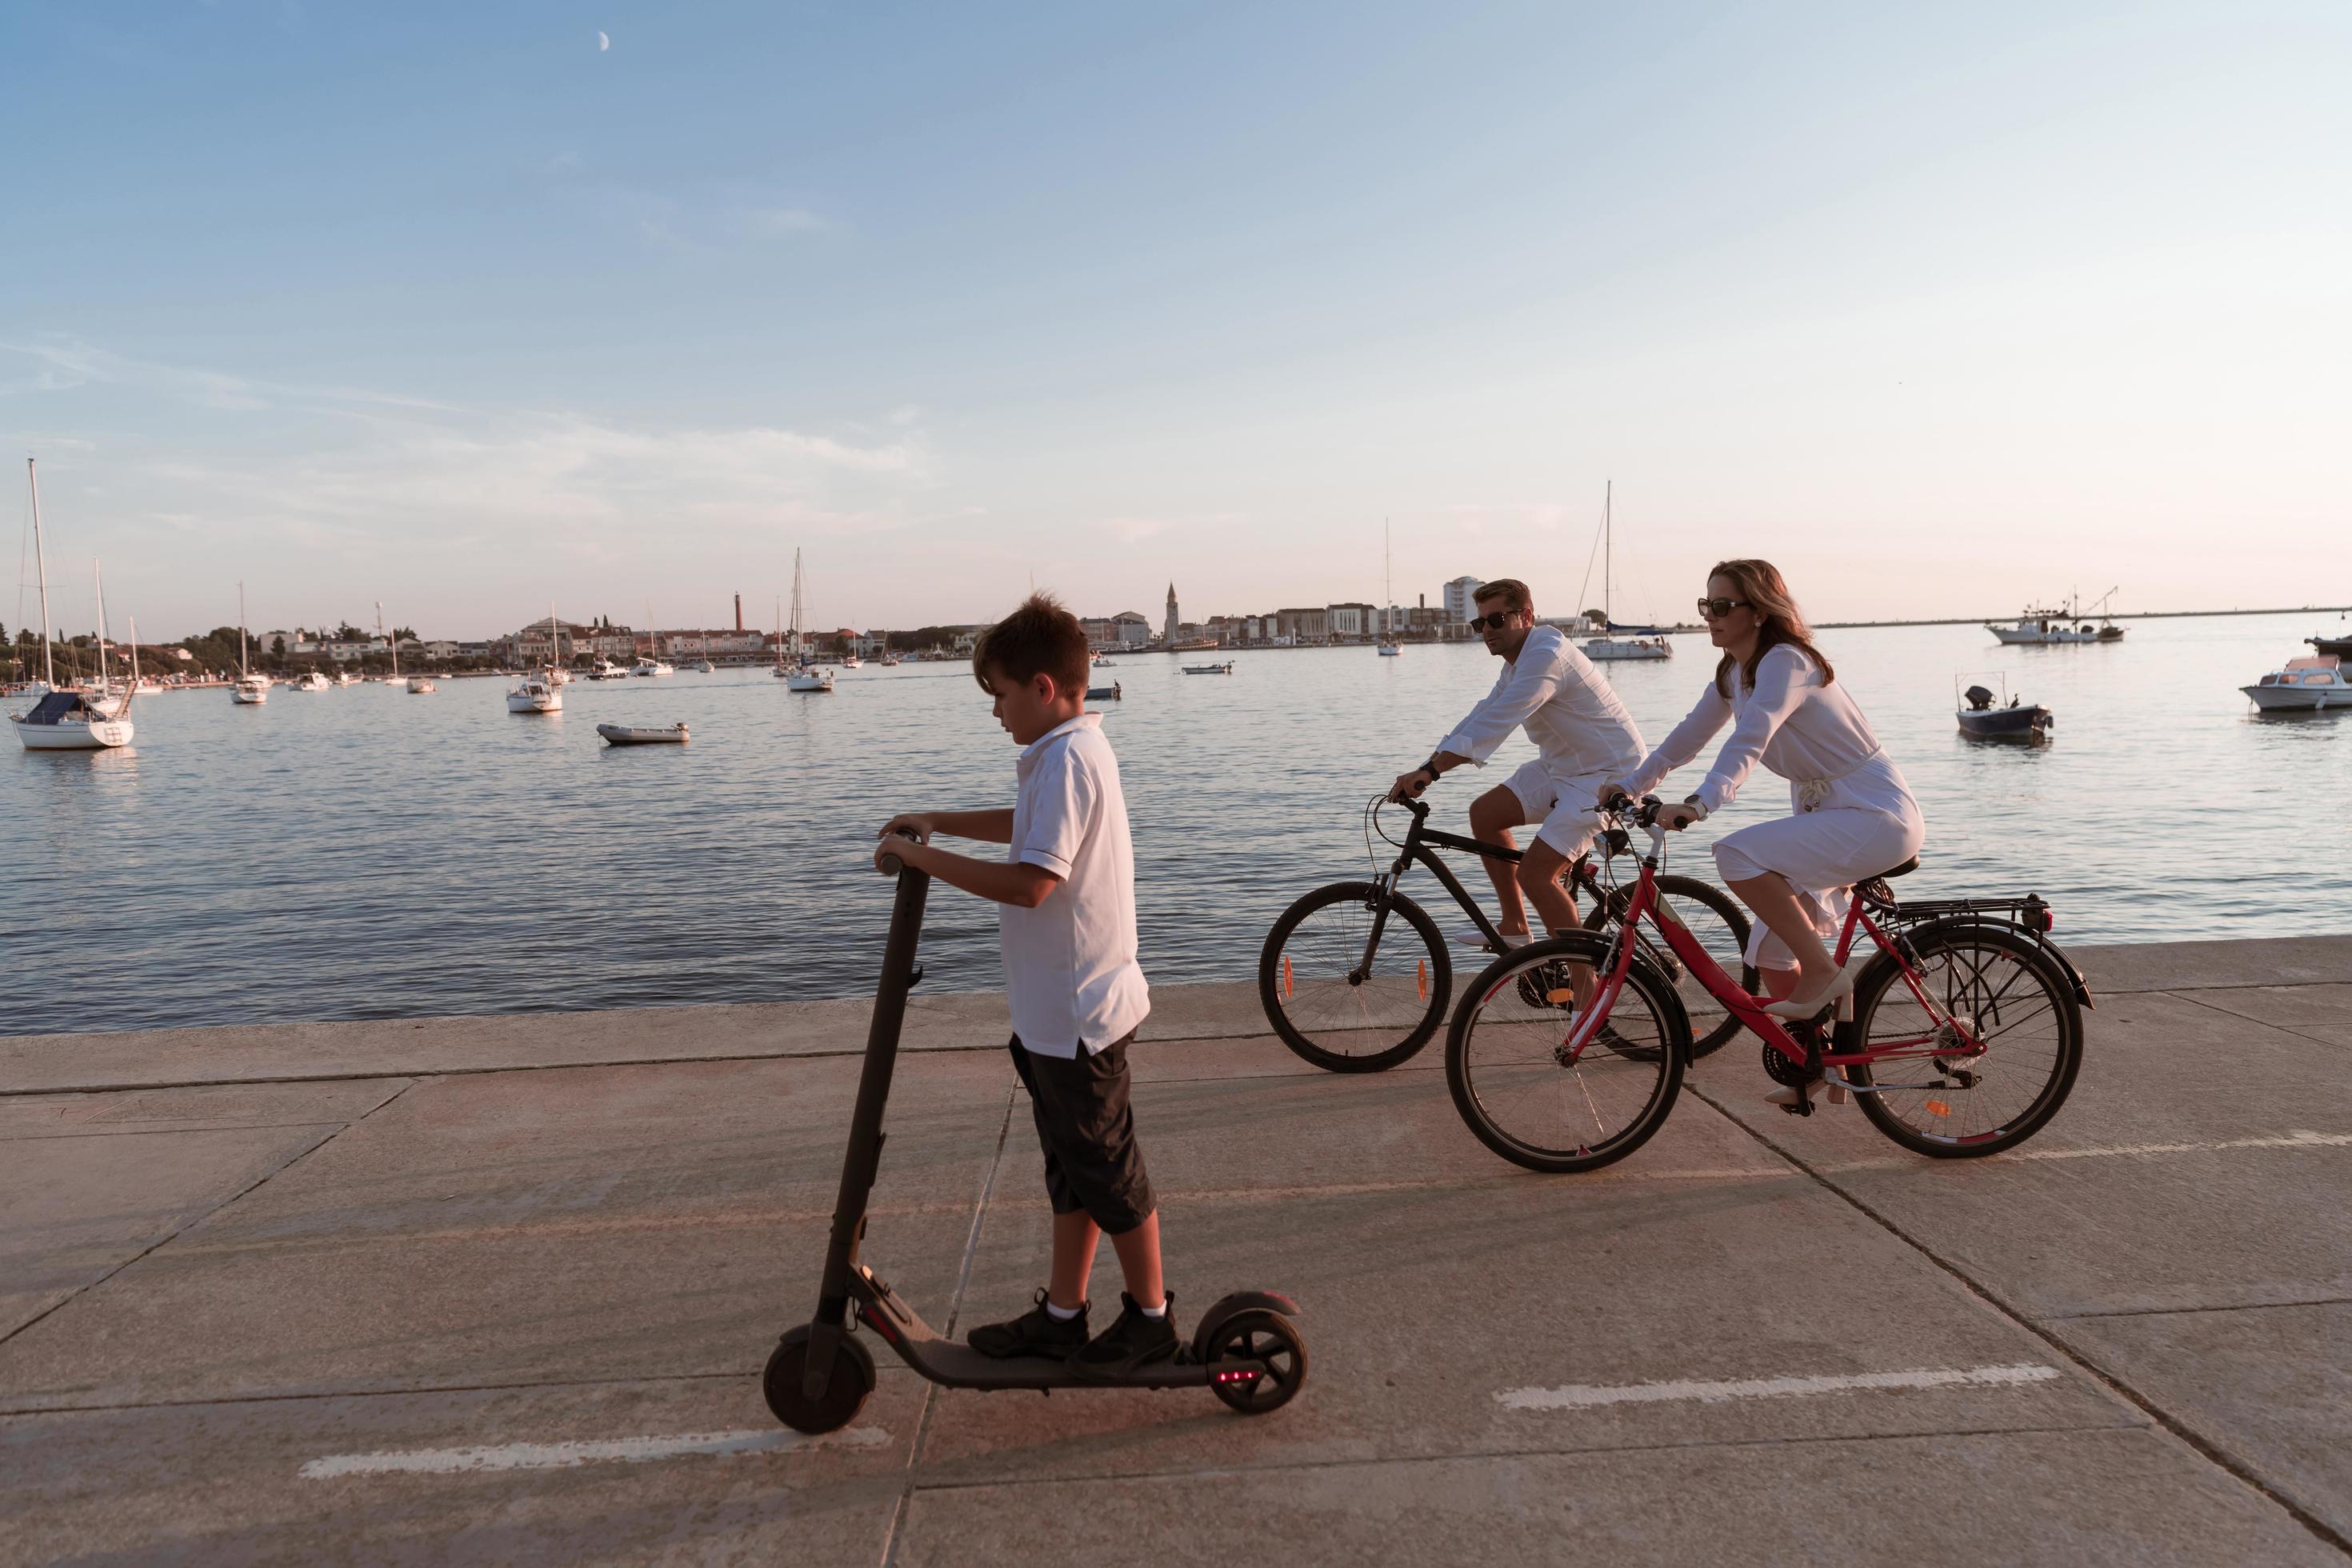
(1158, 1311)
(1062, 1314)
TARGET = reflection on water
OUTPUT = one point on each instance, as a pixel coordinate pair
(365, 853)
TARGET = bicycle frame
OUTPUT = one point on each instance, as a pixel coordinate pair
(1416, 850)
(1749, 1009)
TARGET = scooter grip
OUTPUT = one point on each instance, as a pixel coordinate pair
(891, 865)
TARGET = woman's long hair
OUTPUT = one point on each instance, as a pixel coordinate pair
(1764, 590)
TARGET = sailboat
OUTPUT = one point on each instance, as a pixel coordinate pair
(798, 674)
(251, 689)
(652, 663)
(68, 720)
(537, 693)
(1605, 646)
(1388, 646)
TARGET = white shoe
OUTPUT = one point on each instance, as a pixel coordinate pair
(1806, 1006)
(1471, 936)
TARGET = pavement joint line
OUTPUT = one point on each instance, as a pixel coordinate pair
(894, 1535)
(31, 1412)
(1573, 1450)
(2249, 1018)
(2221, 1458)
(266, 1177)
(571, 1453)
(1596, 1397)
(2181, 1312)
(177, 1127)
(2299, 1139)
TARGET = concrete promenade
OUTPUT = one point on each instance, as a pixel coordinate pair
(499, 1289)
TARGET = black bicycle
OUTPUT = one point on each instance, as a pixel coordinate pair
(1355, 977)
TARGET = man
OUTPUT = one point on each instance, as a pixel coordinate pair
(1583, 738)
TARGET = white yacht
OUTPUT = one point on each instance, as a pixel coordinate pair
(537, 694)
(2039, 626)
(2305, 686)
(314, 681)
(652, 667)
(421, 686)
(345, 677)
(796, 672)
(66, 720)
(252, 688)
(1605, 649)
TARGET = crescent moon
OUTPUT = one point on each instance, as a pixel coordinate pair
(602, 43)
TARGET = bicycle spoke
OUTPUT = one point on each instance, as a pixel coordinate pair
(2000, 997)
(1517, 1064)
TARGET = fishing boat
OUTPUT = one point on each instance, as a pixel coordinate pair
(252, 688)
(1989, 716)
(1606, 647)
(66, 720)
(642, 734)
(794, 669)
(1225, 668)
(1388, 646)
(2044, 626)
(1104, 693)
(2305, 686)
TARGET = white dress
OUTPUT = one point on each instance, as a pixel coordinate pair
(1855, 816)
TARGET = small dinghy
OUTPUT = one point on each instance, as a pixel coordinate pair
(642, 734)
(1225, 668)
(1988, 717)
(1104, 693)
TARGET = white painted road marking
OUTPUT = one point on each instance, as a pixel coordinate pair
(562, 1456)
(2276, 1140)
(1587, 1396)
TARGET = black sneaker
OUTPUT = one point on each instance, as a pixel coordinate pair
(1034, 1333)
(1132, 1341)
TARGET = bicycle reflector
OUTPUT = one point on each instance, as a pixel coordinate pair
(1286, 974)
(1421, 980)
(1939, 1108)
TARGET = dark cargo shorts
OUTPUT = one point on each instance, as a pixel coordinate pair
(1087, 1130)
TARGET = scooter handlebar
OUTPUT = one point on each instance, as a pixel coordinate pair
(890, 864)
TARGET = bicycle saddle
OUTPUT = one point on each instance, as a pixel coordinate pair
(1905, 869)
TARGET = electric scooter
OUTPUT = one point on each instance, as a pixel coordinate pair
(1246, 1350)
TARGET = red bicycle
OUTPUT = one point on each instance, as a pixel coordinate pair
(1961, 1036)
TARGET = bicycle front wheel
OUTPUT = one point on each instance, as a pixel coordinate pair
(1721, 926)
(1932, 1090)
(1335, 1005)
(1531, 1096)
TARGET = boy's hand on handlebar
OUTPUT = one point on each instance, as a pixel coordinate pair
(915, 823)
(1409, 786)
(904, 852)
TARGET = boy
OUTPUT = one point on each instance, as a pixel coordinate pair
(1066, 928)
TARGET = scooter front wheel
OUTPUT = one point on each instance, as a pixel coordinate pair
(1261, 1336)
(845, 1394)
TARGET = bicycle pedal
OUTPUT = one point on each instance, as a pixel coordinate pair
(1802, 1107)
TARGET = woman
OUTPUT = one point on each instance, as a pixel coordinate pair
(1855, 816)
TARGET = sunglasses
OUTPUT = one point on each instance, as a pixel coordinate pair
(1495, 622)
(1714, 608)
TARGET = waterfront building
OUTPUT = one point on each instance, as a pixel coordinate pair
(1133, 630)
(1301, 626)
(1352, 620)
(1461, 596)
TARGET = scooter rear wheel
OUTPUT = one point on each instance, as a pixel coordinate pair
(1258, 1335)
(845, 1395)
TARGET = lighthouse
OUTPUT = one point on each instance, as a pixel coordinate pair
(1168, 634)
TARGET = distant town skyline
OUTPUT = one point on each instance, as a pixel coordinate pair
(1943, 310)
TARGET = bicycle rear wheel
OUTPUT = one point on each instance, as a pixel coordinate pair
(1933, 1094)
(1329, 1010)
(1715, 918)
(1518, 1089)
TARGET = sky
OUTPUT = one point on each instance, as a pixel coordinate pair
(1942, 309)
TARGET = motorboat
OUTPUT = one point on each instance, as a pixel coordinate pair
(537, 694)
(642, 734)
(2042, 626)
(650, 666)
(1102, 663)
(314, 681)
(2305, 686)
(605, 669)
(851, 661)
(703, 667)
(1225, 668)
(2340, 647)
(1642, 642)
(1987, 715)
(345, 677)
(66, 720)
(890, 661)
(421, 686)
(1104, 693)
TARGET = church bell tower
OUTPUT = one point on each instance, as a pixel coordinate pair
(1168, 634)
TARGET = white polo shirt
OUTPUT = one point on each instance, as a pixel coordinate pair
(1568, 710)
(1070, 967)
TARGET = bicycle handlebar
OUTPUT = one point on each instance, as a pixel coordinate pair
(890, 864)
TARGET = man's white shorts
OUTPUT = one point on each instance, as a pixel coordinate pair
(1564, 806)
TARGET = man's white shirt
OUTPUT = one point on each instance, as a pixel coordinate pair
(1568, 710)
(1070, 967)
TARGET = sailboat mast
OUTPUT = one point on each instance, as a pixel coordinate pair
(1608, 552)
(1388, 582)
(241, 671)
(97, 578)
(48, 670)
(134, 670)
